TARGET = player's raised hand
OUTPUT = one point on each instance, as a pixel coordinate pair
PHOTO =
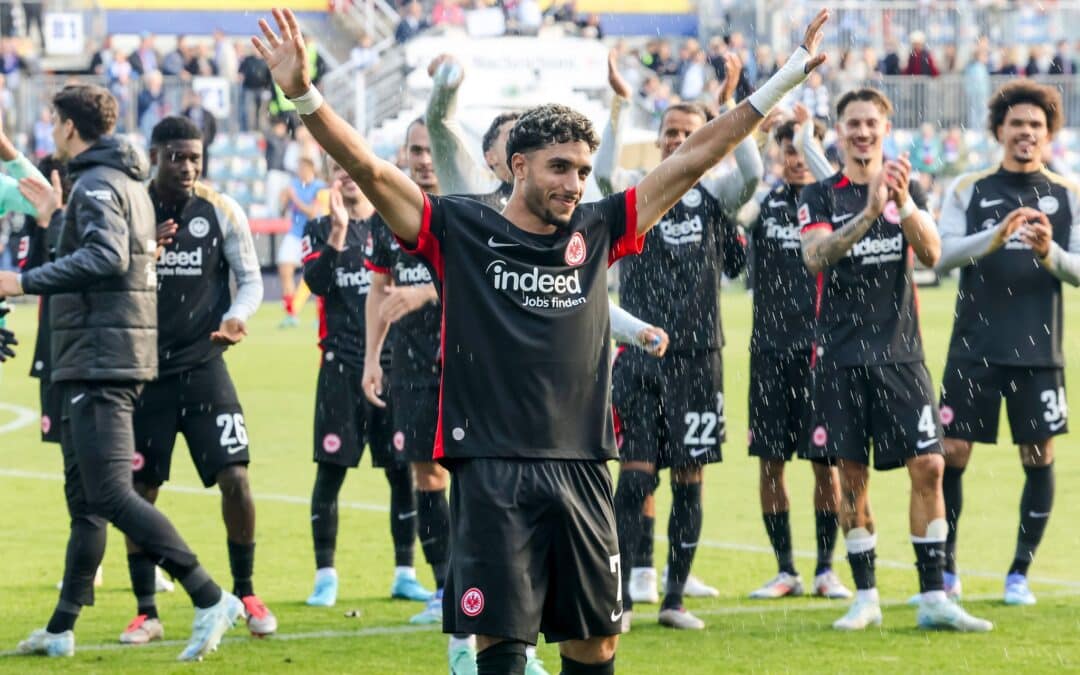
(285, 54)
(372, 383)
(1016, 219)
(230, 332)
(813, 37)
(339, 215)
(897, 178)
(775, 117)
(44, 197)
(1038, 233)
(7, 341)
(877, 195)
(615, 79)
(455, 72)
(801, 113)
(732, 74)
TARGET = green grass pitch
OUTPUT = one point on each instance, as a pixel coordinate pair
(275, 372)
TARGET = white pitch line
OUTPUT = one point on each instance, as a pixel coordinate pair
(767, 607)
(24, 417)
(705, 543)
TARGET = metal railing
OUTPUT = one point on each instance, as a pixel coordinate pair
(366, 98)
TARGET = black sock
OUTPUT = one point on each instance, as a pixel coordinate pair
(630, 494)
(684, 531)
(502, 658)
(930, 562)
(63, 617)
(242, 566)
(1035, 505)
(778, 527)
(826, 524)
(572, 667)
(862, 569)
(143, 575)
(433, 520)
(953, 487)
(202, 589)
(402, 513)
(324, 512)
(643, 557)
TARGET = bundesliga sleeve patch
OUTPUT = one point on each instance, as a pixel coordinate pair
(804, 215)
(305, 246)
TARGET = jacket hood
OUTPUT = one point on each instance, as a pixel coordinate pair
(114, 152)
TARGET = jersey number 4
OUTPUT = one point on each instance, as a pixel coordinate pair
(233, 431)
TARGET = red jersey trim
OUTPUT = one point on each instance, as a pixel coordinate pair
(375, 268)
(814, 226)
(427, 244)
(439, 452)
(819, 293)
(842, 183)
(320, 303)
(311, 256)
(630, 243)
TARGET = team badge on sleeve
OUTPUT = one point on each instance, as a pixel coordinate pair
(804, 215)
(305, 246)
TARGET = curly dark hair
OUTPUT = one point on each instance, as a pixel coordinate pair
(786, 131)
(92, 109)
(493, 131)
(865, 94)
(1026, 91)
(547, 125)
(174, 128)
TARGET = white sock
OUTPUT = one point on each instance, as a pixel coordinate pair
(933, 597)
(407, 572)
(459, 643)
(868, 595)
(324, 572)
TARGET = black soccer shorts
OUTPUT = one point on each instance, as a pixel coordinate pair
(780, 388)
(416, 416)
(891, 404)
(201, 403)
(534, 549)
(971, 393)
(345, 420)
(52, 408)
(671, 409)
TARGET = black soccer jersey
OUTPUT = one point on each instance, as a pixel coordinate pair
(193, 278)
(865, 305)
(1009, 307)
(526, 336)
(784, 291)
(675, 281)
(341, 281)
(415, 337)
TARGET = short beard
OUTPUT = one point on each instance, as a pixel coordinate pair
(534, 199)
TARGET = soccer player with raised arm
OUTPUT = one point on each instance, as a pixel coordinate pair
(870, 383)
(525, 405)
(454, 167)
(333, 257)
(1014, 232)
(194, 395)
(780, 347)
(671, 411)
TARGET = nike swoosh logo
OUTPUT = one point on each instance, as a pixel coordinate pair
(922, 445)
(842, 217)
(234, 449)
(1054, 426)
(77, 399)
(406, 516)
(987, 203)
(698, 452)
(777, 204)
(1033, 514)
(688, 546)
(499, 244)
(616, 614)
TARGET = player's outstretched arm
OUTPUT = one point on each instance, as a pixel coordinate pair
(455, 167)
(808, 145)
(375, 329)
(397, 199)
(606, 172)
(666, 184)
(733, 186)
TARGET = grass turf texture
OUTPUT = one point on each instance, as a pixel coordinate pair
(275, 372)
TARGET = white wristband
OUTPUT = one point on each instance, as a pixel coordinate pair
(908, 209)
(783, 81)
(309, 102)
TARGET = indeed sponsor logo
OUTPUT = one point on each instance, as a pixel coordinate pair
(682, 232)
(788, 235)
(879, 250)
(180, 263)
(359, 279)
(413, 274)
(538, 289)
